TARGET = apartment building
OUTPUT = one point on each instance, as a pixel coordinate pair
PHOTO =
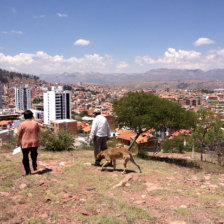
(23, 98)
(57, 105)
(0, 96)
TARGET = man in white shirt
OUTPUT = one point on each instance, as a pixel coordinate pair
(100, 133)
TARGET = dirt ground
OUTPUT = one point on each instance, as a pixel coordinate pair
(66, 188)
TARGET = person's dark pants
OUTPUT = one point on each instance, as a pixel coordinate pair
(26, 162)
(100, 144)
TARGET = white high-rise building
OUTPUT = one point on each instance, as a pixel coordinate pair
(57, 105)
(23, 98)
(0, 96)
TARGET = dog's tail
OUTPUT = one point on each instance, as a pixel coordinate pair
(132, 160)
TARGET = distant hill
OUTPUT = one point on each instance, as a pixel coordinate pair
(5, 76)
(156, 75)
(188, 84)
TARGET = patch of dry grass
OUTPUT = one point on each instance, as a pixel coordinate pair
(83, 194)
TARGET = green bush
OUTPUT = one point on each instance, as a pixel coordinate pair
(174, 145)
(59, 141)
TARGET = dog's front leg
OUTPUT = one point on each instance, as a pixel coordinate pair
(105, 164)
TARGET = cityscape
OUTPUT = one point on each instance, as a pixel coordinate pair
(112, 112)
(53, 103)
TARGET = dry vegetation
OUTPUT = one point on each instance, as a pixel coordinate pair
(67, 189)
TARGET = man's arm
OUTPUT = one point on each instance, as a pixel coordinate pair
(19, 136)
(93, 131)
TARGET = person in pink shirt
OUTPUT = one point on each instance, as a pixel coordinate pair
(28, 139)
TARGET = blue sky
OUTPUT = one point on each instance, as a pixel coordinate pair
(55, 36)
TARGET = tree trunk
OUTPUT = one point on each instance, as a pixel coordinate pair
(202, 143)
(129, 148)
(192, 155)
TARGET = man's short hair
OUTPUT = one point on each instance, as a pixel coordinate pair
(28, 114)
(97, 111)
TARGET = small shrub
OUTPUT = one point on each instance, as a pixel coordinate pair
(173, 145)
(59, 141)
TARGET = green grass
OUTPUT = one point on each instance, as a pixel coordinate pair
(183, 211)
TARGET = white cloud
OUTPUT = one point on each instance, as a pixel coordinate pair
(145, 59)
(182, 59)
(122, 65)
(203, 41)
(19, 32)
(82, 42)
(43, 63)
(62, 15)
(39, 17)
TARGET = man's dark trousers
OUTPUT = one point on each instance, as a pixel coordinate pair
(100, 144)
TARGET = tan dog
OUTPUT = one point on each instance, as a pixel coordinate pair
(112, 154)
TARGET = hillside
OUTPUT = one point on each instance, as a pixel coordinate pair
(189, 84)
(67, 189)
(5, 76)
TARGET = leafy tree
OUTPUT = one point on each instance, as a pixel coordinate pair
(5, 75)
(142, 111)
(176, 143)
(36, 100)
(208, 132)
(59, 141)
(67, 87)
(83, 114)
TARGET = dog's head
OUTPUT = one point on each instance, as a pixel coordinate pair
(100, 156)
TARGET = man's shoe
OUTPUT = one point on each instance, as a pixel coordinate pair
(28, 172)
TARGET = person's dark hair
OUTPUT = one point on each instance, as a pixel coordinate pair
(97, 112)
(28, 114)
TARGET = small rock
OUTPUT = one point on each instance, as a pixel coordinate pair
(6, 194)
(29, 195)
(62, 163)
(183, 206)
(87, 164)
(22, 186)
(143, 196)
(127, 184)
(124, 181)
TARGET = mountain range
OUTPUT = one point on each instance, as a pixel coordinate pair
(156, 78)
(149, 76)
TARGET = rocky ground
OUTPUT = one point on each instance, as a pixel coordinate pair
(66, 188)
